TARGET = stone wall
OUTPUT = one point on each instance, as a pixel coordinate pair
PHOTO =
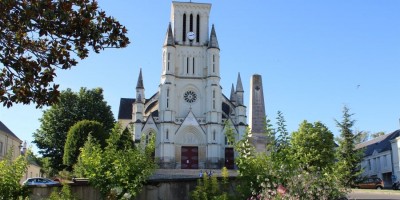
(176, 189)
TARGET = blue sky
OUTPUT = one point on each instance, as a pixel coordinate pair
(314, 57)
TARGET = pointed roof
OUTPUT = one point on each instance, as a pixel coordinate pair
(213, 43)
(239, 86)
(139, 84)
(379, 144)
(169, 37)
(4, 129)
(233, 97)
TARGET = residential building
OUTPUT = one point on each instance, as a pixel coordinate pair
(381, 157)
(9, 142)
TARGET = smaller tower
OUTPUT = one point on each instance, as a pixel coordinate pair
(240, 108)
(239, 91)
(138, 107)
(233, 96)
(213, 54)
(168, 58)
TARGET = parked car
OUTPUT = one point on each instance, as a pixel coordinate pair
(40, 182)
(371, 183)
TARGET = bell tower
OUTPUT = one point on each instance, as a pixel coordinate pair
(190, 22)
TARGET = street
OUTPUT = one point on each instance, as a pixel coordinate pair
(374, 194)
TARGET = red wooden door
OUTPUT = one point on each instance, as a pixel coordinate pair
(229, 158)
(189, 158)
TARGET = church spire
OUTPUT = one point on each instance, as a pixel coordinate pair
(213, 43)
(232, 98)
(139, 84)
(169, 37)
(239, 86)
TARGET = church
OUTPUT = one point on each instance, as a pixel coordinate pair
(189, 114)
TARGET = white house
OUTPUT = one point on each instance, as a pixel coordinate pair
(381, 157)
(189, 112)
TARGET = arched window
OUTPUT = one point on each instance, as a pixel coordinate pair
(193, 65)
(214, 135)
(213, 93)
(148, 137)
(169, 57)
(191, 23)
(187, 65)
(167, 135)
(213, 63)
(168, 92)
(198, 29)
(184, 28)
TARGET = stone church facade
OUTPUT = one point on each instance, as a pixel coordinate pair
(189, 114)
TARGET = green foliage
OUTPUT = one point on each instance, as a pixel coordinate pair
(283, 137)
(360, 137)
(77, 136)
(64, 194)
(11, 172)
(114, 171)
(230, 133)
(73, 107)
(349, 158)
(269, 133)
(210, 188)
(46, 167)
(301, 167)
(375, 135)
(313, 145)
(317, 184)
(249, 166)
(37, 37)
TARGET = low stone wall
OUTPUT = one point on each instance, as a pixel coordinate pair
(81, 191)
(162, 185)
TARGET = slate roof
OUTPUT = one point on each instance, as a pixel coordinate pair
(379, 144)
(8, 131)
(125, 108)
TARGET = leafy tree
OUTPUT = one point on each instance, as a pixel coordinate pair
(349, 159)
(281, 172)
(283, 137)
(37, 37)
(56, 121)
(11, 172)
(375, 135)
(46, 167)
(360, 137)
(209, 187)
(269, 133)
(126, 140)
(313, 145)
(114, 171)
(77, 136)
(64, 194)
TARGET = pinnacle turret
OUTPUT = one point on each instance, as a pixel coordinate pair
(169, 37)
(239, 86)
(139, 84)
(213, 43)
(233, 96)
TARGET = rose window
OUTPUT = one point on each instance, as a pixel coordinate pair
(190, 96)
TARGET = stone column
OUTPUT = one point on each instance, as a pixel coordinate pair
(257, 113)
